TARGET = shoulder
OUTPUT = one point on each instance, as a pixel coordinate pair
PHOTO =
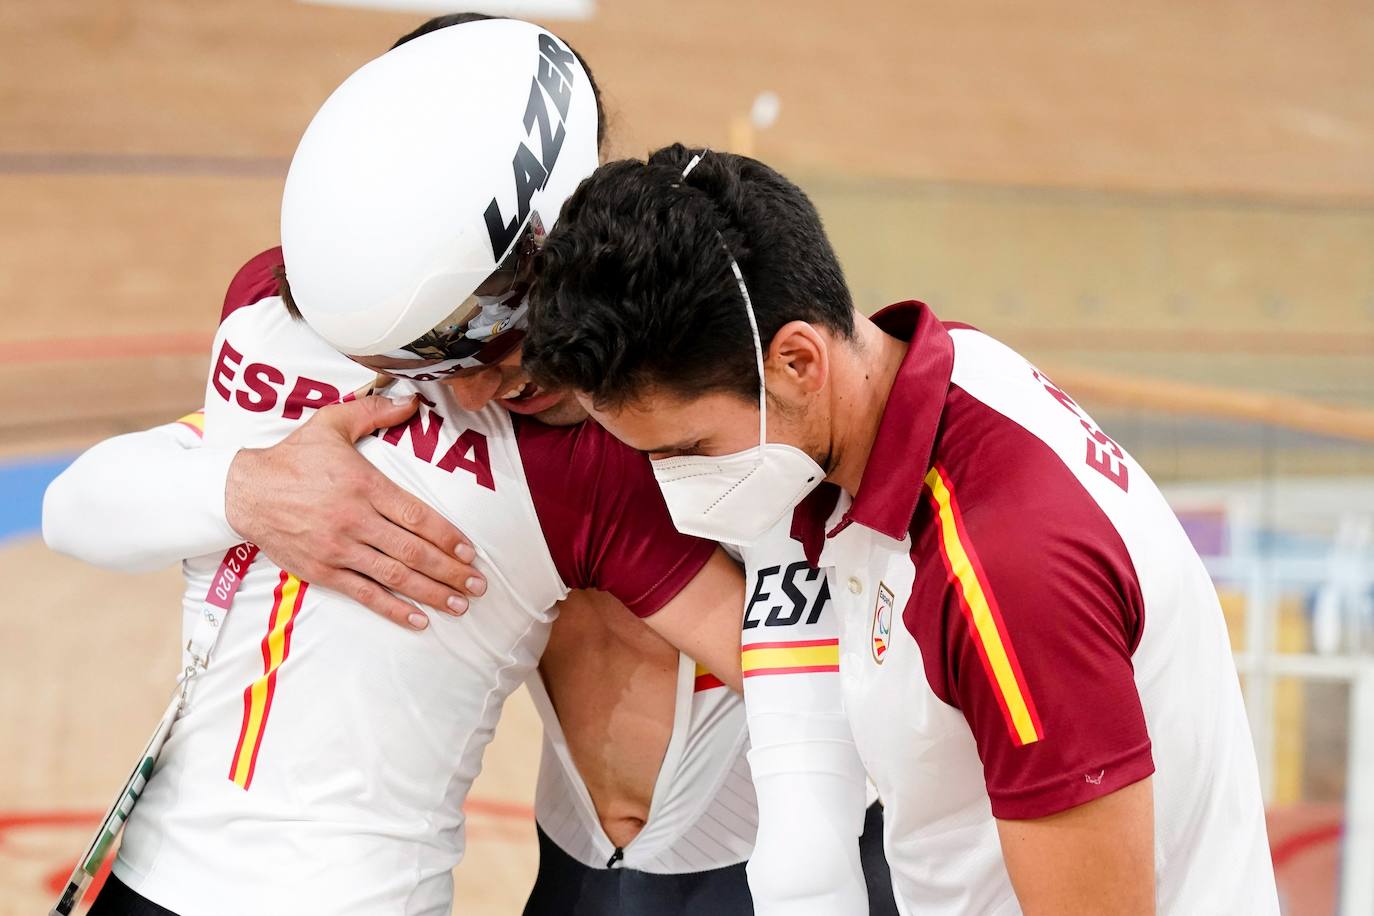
(256, 280)
(996, 461)
(574, 452)
(1029, 564)
(581, 471)
(999, 388)
(603, 516)
(1035, 484)
(1029, 544)
(268, 370)
(1004, 501)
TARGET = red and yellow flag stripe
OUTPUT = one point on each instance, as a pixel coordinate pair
(257, 696)
(706, 680)
(798, 657)
(980, 609)
(195, 422)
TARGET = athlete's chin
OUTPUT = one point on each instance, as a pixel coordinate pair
(565, 413)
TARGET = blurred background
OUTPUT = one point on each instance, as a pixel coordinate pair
(1168, 206)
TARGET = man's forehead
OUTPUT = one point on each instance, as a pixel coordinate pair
(665, 422)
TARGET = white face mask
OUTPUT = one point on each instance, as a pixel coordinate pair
(737, 498)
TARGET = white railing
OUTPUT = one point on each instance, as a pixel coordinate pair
(1339, 580)
(1357, 859)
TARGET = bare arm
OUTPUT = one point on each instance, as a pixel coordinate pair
(322, 512)
(703, 620)
(1095, 858)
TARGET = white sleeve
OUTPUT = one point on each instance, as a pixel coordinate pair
(141, 501)
(810, 782)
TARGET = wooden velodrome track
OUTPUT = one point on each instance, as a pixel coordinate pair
(1178, 190)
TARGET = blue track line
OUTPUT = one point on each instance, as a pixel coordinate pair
(22, 482)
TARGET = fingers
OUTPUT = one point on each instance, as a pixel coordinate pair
(316, 506)
(415, 516)
(355, 419)
(414, 550)
(417, 569)
(375, 598)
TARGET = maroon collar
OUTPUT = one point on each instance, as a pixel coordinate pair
(897, 465)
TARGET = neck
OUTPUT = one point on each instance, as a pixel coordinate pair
(862, 378)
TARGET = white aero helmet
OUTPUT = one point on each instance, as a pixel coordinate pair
(415, 196)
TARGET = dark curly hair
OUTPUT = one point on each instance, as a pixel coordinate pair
(635, 289)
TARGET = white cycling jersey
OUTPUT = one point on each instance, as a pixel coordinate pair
(322, 762)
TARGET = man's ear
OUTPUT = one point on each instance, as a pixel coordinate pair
(798, 357)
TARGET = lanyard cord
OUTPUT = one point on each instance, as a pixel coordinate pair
(218, 599)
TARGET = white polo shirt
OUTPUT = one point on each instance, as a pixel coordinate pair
(1025, 627)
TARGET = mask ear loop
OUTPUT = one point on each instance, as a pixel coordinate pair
(758, 347)
(748, 310)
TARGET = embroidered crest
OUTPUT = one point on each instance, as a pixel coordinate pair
(882, 622)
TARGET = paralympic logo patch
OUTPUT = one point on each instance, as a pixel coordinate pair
(882, 621)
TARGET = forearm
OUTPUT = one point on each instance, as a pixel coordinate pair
(702, 621)
(811, 793)
(140, 501)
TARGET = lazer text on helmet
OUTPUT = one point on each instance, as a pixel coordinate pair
(554, 73)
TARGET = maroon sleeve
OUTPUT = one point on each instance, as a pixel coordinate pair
(1040, 613)
(603, 516)
(254, 282)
